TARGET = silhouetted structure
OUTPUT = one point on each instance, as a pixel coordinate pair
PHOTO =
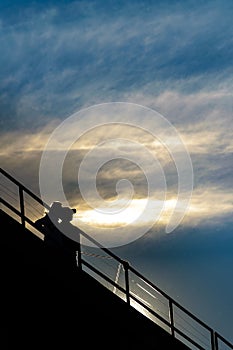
(53, 308)
(42, 309)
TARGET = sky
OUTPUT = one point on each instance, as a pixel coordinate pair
(170, 58)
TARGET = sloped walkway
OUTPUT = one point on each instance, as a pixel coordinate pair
(48, 309)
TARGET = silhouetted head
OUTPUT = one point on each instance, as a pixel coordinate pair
(67, 214)
(55, 205)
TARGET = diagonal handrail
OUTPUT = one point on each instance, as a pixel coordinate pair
(215, 337)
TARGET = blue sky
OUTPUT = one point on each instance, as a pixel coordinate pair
(175, 57)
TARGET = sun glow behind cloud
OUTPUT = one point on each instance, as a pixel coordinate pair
(209, 200)
(202, 207)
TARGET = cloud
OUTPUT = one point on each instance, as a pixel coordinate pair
(175, 59)
(211, 199)
(65, 57)
(202, 120)
(210, 204)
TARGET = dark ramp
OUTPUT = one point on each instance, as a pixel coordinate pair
(44, 307)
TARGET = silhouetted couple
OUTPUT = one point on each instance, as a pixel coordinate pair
(61, 238)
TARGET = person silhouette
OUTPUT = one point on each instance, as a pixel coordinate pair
(61, 238)
(48, 225)
(71, 235)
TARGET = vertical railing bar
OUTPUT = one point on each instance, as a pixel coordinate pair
(22, 208)
(216, 341)
(126, 268)
(212, 340)
(171, 314)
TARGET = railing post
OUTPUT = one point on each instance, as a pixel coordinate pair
(171, 317)
(22, 208)
(216, 340)
(213, 344)
(126, 268)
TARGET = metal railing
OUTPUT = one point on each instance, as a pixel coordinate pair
(116, 274)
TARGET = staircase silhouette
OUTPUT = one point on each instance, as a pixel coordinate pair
(102, 302)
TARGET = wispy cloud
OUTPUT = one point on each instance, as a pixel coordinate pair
(63, 57)
(174, 59)
(210, 152)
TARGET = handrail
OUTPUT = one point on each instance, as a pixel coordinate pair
(215, 337)
(20, 185)
(170, 298)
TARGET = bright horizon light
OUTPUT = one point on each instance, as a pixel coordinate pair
(129, 214)
(200, 208)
